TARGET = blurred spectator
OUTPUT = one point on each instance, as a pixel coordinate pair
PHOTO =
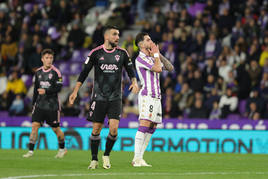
(158, 17)
(212, 47)
(17, 106)
(255, 73)
(255, 98)
(264, 85)
(34, 60)
(228, 103)
(253, 111)
(224, 69)
(197, 83)
(8, 51)
(198, 110)
(15, 84)
(3, 82)
(169, 105)
(4, 101)
(76, 36)
(184, 98)
(211, 98)
(215, 112)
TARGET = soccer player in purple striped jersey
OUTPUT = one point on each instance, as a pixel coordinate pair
(149, 65)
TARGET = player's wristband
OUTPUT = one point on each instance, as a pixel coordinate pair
(156, 55)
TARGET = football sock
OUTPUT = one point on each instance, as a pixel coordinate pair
(94, 144)
(31, 146)
(109, 144)
(139, 140)
(61, 144)
(147, 138)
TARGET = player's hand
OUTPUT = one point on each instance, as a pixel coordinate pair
(41, 91)
(154, 49)
(134, 88)
(72, 98)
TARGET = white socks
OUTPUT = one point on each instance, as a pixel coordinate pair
(139, 140)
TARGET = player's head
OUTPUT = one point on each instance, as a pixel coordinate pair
(143, 40)
(111, 35)
(47, 56)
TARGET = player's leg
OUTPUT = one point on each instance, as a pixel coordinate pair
(33, 138)
(60, 135)
(94, 144)
(53, 119)
(114, 113)
(96, 115)
(147, 137)
(38, 116)
(140, 139)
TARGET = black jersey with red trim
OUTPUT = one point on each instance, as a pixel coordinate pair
(51, 81)
(108, 67)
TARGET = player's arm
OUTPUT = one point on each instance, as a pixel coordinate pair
(167, 65)
(131, 73)
(82, 77)
(35, 92)
(154, 51)
(57, 85)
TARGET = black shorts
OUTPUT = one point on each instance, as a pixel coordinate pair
(52, 118)
(99, 109)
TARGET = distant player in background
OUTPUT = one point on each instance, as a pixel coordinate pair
(46, 107)
(108, 61)
(149, 65)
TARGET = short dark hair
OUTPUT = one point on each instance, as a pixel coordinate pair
(109, 27)
(47, 51)
(140, 37)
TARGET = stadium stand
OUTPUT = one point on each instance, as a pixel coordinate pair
(218, 47)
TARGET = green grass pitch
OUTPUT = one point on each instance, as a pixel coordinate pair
(165, 165)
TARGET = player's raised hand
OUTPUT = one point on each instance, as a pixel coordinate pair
(72, 98)
(154, 49)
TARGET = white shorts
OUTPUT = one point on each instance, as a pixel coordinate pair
(150, 109)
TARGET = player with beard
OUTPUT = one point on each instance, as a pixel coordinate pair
(149, 65)
(108, 61)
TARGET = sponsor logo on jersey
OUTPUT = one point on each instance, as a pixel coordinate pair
(50, 75)
(101, 58)
(109, 67)
(117, 57)
(45, 84)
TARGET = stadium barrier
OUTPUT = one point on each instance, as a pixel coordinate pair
(233, 124)
(168, 140)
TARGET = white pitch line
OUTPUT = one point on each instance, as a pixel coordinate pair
(143, 174)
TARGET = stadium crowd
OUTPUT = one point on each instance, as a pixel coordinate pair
(219, 49)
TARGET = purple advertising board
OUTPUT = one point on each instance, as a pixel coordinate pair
(228, 124)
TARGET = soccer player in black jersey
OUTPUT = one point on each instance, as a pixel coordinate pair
(108, 61)
(46, 107)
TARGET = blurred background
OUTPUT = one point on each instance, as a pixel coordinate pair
(219, 49)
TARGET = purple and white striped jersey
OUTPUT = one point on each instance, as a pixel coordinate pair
(150, 80)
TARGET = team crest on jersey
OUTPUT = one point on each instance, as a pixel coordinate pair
(39, 76)
(101, 58)
(50, 75)
(117, 57)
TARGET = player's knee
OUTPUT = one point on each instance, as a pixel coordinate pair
(113, 131)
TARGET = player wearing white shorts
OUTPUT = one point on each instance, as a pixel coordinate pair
(149, 65)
